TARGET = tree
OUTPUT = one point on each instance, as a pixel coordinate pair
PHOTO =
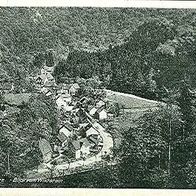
(185, 150)
(144, 158)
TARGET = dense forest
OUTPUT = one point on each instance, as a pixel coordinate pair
(146, 52)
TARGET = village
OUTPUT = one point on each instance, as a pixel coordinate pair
(81, 138)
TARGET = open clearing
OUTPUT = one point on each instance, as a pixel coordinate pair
(129, 101)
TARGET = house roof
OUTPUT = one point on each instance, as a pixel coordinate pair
(48, 68)
(76, 144)
(100, 110)
(83, 125)
(49, 83)
(91, 131)
(100, 103)
(93, 139)
(45, 147)
(98, 127)
(65, 95)
(41, 76)
(74, 86)
(62, 137)
(49, 93)
(82, 142)
(17, 99)
(84, 99)
(93, 111)
(85, 142)
(65, 86)
(64, 129)
(68, 126)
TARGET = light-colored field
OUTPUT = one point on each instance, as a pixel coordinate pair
(134, 108)
(129, 101)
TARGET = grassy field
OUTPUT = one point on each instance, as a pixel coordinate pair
(129, 101)
(134, 107)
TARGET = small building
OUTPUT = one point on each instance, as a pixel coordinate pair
(65, 88)
(81, 147)
(48, 69)
(85, 146)
(38, 79)
(101, 114)
(94, 140)
(100, 104)
(60, 102)
(74, 88)
(46, 150)
(66, 130)
(63, 100)
(93, 111)
(49, 93)
(91, 131)
(98, 127)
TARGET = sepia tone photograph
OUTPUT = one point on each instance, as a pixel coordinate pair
(97, 97)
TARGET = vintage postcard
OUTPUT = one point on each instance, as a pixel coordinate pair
(99, 96)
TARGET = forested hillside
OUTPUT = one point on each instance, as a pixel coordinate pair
(158, 53)
(146, 52)
(143, 49)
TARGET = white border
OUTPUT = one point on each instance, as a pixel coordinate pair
(94, 192)
(96, 3)
(99, 3)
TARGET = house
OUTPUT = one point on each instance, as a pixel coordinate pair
(91, 131)
(94, 143)
(98, 127)
(63, 100)
(74, 119)
(68, 108)
(100, 104)
(60, 102)
(49, 83)
(49, 93)
(84, 125)
(64, 133)
(85, 146)
(94, 140)
(101, 114)
(82, 129)
(81, 147)
(39, 80)
(93, 111)
(46, 149)
(44, 89)
(66, 130)
(48, 69)
(49, 79)
(67, 97)
(74, 88)
(65, 88)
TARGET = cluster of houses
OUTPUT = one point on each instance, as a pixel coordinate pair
(80, 145)
(77, 134)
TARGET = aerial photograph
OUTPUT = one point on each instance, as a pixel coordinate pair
(97, 97)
